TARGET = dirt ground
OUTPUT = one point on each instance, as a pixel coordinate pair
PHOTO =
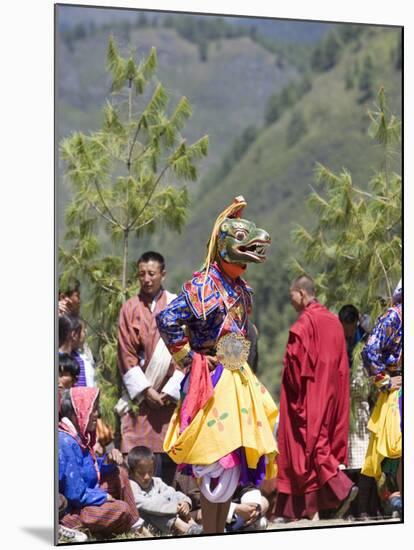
(306, 523)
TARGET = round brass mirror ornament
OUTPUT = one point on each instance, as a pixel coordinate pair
(233, 350)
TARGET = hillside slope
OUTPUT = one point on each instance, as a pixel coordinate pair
(274, 176)
(238, 72)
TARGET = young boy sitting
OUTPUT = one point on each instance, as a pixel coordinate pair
(158, 504)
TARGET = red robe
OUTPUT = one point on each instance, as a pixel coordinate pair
(314, 415)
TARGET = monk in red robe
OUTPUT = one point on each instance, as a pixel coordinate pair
(314, 412)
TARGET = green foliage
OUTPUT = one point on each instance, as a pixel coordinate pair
(118, 178)
(348, 32)
(239, 148)
(398, 53)
(366, 80)
(201, 30)
(273, 110)
(203, 50)
(349, 80)
(296, 128)
(289, 95)
(354, 252)
(327, 53)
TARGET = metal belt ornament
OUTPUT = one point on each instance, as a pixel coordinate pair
(232, 350)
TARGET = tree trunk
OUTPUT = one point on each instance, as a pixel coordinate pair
(125, 263)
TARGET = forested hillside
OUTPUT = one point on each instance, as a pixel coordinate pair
(325, 121)
(274, 100)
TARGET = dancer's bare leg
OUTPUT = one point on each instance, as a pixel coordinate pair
(222, 512)
(208, 515)
(213, 515)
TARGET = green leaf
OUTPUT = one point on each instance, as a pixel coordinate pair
(149, 66)
(182, 112)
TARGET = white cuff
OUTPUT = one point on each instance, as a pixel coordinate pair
(172, 387)
(170, 297)
(253, 496)
(232, 509)
(135, 382)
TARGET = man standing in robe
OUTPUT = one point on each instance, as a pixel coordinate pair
(149, 375)
(314, 412)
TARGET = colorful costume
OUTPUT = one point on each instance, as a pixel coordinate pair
(224, 422)
(85, 481)
(382, 358)
(314, 416)
(144, 361)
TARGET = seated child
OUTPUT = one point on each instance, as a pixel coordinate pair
(158, 504)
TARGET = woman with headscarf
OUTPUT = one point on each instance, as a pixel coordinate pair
(96, 489)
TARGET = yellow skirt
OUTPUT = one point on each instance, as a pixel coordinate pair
(386, 438)
(241, 413)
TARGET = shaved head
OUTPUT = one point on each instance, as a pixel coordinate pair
(304, 282)
(302, 291)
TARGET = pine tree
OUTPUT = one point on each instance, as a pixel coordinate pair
(273, 110)
(331, 50)
(366, 80)
(349, 81)
(398, 53)
(118, 175)
(203, 50)
(296, 128)
(355, 251)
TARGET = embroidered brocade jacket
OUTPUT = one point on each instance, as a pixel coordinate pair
(226, 307)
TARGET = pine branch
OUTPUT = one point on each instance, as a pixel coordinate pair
(182, 112)
(90, 273)
(385, 274)
(98, 188)
(149, 66)
(158, 101)
(157, 181)
(144, 224)
(107, 218)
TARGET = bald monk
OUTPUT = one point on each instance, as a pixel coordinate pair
(314, 412)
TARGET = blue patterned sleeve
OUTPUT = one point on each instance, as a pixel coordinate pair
(381, 351)
(71, 482)
(170, 323)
